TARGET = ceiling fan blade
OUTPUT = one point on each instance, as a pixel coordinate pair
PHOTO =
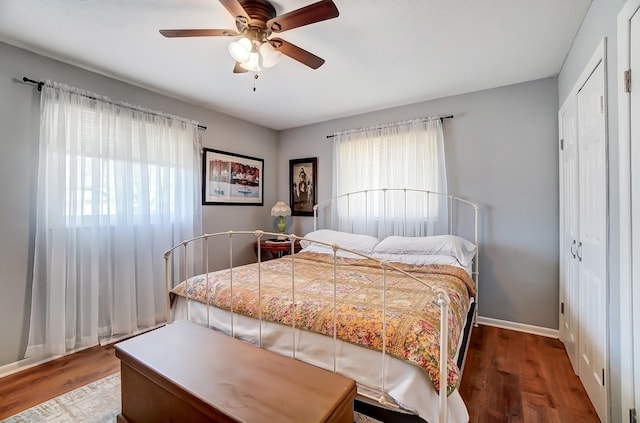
(171, 33)
(239, 69)
(235, 8)
(296, 53)
(315, 12)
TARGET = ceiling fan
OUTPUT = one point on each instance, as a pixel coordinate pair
(256, 21)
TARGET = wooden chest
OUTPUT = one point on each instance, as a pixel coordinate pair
(187, 373)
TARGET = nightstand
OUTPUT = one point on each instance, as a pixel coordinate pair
(270, 249)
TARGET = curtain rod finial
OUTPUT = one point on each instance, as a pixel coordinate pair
(40, 83)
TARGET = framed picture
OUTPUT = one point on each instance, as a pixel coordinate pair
(231, 179)
(303, 176)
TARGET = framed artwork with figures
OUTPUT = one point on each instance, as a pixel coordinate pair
(231, 179)
(303, 176)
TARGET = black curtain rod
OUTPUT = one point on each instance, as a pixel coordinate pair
(367, 129)
(41, 83)
(38, 83)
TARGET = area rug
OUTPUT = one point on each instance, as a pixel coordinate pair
(97, 402)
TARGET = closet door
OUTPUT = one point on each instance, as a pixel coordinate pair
(584, 235)
(569, 237)
(634, 181)
(592, 239)
(629, 195)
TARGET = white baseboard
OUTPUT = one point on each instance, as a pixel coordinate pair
(27, 363)
(24, 364)
(520, 327)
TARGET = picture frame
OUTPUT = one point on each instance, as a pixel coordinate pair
(303, 177)
(231, 179)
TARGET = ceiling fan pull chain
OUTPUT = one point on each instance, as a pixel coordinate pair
(254, 81)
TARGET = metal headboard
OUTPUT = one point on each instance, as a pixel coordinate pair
(441, 214)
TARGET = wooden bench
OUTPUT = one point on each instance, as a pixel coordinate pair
(185, 373)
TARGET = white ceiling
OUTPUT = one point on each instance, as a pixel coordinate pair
(379, 53)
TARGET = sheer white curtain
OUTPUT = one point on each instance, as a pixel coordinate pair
(117, 185)
(407, 154)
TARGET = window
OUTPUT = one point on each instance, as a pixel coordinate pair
(404, 155)
(119, 163)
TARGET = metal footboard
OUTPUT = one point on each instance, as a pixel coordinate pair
(187, 252)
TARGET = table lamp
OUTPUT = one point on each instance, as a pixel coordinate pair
(281, 209)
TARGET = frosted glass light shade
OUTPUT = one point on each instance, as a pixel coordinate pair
(270, 56)
(241, 50)
(253, 64)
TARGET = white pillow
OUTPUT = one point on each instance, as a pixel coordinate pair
(449, 245)
(323, 249)
(421, 259)
(356, 242)
(418, 259)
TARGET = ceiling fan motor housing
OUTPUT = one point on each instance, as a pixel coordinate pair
(259, 11)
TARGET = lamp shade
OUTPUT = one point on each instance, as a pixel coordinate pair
(280, 209)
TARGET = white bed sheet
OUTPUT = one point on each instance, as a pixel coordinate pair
(405, 383)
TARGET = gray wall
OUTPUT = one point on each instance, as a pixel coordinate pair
(19, 121)
(601, 22)
(501, 151)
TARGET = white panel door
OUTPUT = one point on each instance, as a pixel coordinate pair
(569, 239)
(592, 240)
(634, 112)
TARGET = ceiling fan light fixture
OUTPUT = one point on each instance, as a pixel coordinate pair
(253, 64)
(241, 50)
(270, 56)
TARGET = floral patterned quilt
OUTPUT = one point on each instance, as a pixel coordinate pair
(413, 315)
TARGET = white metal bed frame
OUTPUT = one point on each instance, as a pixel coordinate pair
(442, 297)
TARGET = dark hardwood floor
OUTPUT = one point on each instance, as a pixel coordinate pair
(27, 388)
(509, 377)
(512, 376)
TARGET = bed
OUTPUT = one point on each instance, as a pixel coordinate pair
(340, 283)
